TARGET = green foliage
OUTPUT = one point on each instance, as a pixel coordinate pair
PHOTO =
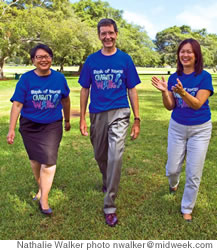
(167, 42)
(10, 33)
(70, 30)
(135, 41)
(92, 11)
(144, 207)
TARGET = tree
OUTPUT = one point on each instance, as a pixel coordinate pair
(167, 42)
(132, 39)
(24, 23)
(91, 12)
(209, 50)
(11, 31)
(71, 41)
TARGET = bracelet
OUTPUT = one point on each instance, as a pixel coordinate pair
(66, 120)
(165, 96)
(183, 93)
(137, 118)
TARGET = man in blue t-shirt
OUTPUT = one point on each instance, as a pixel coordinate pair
(110, 74)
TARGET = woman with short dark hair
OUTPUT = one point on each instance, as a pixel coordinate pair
(40, 96)
(189, 133)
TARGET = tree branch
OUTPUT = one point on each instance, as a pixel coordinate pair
(8, 6)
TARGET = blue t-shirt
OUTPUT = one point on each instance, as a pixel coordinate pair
(109, 78)
(182, 113)
(41, 96)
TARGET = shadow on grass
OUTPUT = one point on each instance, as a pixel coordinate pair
(144, 207)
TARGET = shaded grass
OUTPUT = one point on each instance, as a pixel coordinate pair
(145, 209)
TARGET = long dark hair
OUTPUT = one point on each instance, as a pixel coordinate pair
(198, 67)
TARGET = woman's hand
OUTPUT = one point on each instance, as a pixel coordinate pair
(178, 88)
(194, 102)
(11, 136)
(159, 84)
(67, 125)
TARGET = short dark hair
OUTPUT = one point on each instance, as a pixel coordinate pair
(198, 67)
(107, 22)
(41, 46)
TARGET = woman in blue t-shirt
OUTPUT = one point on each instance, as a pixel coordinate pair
(40, 96)
(186, 94)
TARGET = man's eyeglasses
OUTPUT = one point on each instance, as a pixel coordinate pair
(43, 57)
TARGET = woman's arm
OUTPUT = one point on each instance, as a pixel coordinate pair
(167, 96)
(15, 112)
(66, 111)
(194, 102)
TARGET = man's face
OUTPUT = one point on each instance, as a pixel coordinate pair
(108, 36)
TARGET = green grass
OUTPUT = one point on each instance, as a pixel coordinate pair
(144, 207)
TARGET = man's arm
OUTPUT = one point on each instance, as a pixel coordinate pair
(84, 94)
(134, 101)
(66, 111)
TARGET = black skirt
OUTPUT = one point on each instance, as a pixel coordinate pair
(41, 140)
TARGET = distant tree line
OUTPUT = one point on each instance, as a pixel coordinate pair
(70, 30)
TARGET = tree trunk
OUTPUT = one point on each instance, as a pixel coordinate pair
(61, 67)
(2, 62)
(80, 68)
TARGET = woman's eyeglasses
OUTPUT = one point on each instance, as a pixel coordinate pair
(39, 58)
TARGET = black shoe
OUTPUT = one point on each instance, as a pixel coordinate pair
(111, 219)
(45, 211)
(173, 190)
(104, 189)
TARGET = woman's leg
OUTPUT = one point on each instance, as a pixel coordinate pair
(36, 168)
(176, 152)
(196, 153)
(46, 179)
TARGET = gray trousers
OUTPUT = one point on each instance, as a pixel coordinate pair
(107, 133)
(193, 142)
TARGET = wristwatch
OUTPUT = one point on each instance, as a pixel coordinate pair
(137, 118)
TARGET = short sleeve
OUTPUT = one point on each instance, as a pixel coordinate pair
(20, 91)
(206, 83)
(132, 75)
(171, 82)
(85, 76)
(66, 89)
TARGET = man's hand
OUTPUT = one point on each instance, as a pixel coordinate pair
(83, 128)
(135, 129)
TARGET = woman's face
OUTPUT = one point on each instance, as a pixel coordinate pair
(42, 60)
(187, 56)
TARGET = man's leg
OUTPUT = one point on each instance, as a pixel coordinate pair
(119, 122)
(99, 140)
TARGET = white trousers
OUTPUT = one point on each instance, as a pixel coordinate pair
(192, 142)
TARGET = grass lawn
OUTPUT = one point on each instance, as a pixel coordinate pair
(144, 207)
